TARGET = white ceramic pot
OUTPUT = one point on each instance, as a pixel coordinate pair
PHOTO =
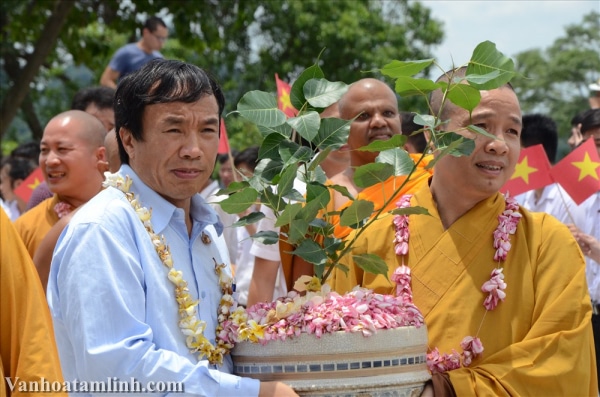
(391, 362)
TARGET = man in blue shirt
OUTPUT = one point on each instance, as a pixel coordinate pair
(115, 311)
(133, 56)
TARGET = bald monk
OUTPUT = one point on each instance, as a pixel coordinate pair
(73, 160)
(27, 345)
(506, 315)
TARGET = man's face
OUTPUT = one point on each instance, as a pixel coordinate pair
(493, 161)
(378, 120)
(156, 40)
(575, 138)
(179, 147)
(593, 133)
(226, 173)
(68, 161)
(105, 115)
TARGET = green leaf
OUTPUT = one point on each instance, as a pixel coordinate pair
(268, 169)
(370, 174)
(286, 150)
(333, 133)
(356, 213)
(282, 129)
(410, 211)
(297, 94)
(454, 144)
(399, 158)
(307, 124)
(269, 198)
(267, 237)
(297, 231)
(397, 69)
(343, 190)
(408, 86)
(269, 149)
(239, 201)
(288, 214)
(301, 154)
(286, 183)
(233, 187)
(261, 108)
(321, 93)
(482, 79)
(317, 198)
(425, 120)
(485, 60)
(371, 263)
(249, 219)
(465, 96)
(395, 141)
(318, 159)
(311, 252)
(479, 130)
(332, 245)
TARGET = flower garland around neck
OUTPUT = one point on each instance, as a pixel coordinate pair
(494, 287)
(62, 208)
(191, 327)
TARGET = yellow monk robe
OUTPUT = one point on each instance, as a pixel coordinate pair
(33, 225)
(378, 194)
(27, 343)
(538, 342)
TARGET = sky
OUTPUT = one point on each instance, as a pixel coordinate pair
(514, 26)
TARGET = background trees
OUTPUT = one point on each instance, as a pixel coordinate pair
(50, 49)
(555, 81)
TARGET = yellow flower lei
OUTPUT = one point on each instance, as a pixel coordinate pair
(191, 327)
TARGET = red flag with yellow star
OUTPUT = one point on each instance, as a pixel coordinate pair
(579, 172)
(26, 187)
(531, 172)
(283, 97)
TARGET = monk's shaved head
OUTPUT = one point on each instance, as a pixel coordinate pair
(361, 89)
(85, 126)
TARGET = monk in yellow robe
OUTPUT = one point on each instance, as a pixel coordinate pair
(27, 343)
(537, 339)
(73, 160)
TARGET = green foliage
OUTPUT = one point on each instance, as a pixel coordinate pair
(285, 157)
(554, 81)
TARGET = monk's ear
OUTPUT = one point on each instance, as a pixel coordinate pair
(127, 140)
(101, 159)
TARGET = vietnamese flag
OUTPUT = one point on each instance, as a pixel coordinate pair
(531, 172)
(283, 97)
(579, 172)
(32, 181)
(223, 140)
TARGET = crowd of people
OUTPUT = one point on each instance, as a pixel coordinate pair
(82, 250)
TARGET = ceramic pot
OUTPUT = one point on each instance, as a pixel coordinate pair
(391, 362)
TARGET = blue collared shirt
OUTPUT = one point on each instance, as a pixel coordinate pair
(113, 307)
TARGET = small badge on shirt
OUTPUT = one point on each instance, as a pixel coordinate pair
(206, 238)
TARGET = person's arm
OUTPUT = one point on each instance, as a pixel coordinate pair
(263, 281)
(43, 255)
(109, 77)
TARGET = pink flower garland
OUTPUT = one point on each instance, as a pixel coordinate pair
(62, 208)
(494, 287)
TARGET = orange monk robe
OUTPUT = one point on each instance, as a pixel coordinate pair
(381, 195)
(27, 343)
(538, 342)
(34, 224)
